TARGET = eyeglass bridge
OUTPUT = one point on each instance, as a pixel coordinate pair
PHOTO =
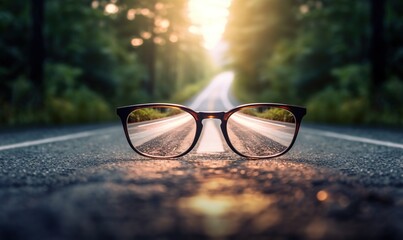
(211, 115)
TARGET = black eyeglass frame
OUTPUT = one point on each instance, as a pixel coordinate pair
(124, 112)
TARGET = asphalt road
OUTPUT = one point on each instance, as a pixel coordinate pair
(85, 182)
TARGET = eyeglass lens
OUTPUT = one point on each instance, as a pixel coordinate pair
(161, 131)
(261, 131)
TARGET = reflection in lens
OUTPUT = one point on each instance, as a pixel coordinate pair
(261, 131)
(161, 131)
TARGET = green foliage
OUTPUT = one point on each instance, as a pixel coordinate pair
(147, 114)
(393, 101)
(91, 66)
(335, 106)
(80, 105)
(276, 114)
(184, 94)
(20, 96)
(66, 100)
(20, 91)
(144, 114)
(316, 53)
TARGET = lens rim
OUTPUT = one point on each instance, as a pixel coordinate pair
(297, 111)
(124, 113)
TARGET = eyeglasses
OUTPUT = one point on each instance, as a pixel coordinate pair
(257, 130)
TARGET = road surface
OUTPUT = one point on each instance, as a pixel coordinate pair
(85, 182)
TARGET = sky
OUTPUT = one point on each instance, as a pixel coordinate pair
(209, 18)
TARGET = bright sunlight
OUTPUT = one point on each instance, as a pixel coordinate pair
(209, 18)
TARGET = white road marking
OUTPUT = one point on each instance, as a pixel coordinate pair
(211, 100)
(226, 79)
(204, 95)
(141, 137)
(282, 137)
(159, 121)
(211, 139)
(221, 82)
(353, 138)
(52, 139)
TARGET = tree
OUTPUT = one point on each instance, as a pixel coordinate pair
(378, 49)
(159, 34)
(37, 47)
(92, 61)
(340, 58)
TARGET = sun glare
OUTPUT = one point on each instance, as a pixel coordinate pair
(209, 18)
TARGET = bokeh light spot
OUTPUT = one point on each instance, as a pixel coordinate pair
(136, 42)
(111, 8)
(322, 195)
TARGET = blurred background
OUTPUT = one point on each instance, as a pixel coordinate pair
(74, 61)
(342, 59)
